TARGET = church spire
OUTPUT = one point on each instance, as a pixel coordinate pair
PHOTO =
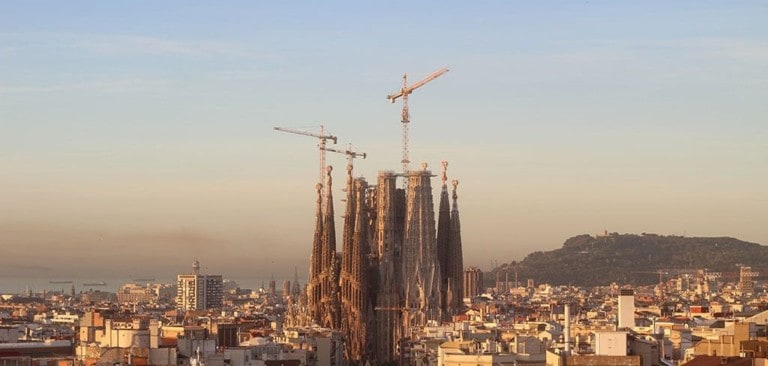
(443, 241)
(455, 253)
(314, 286)
(329, 316)
(355, 299)
(349, 228)
(329, 232)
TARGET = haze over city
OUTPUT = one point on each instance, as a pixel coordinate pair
(135, 138)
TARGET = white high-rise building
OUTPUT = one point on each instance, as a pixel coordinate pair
(199, 291)
(626, 308)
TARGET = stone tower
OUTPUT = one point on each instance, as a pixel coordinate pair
(455, 283)
(348, 231)
(330, 313)
(314, 286)
(421, 270)
(323, 286)
(355, 306)
(443, 243)
(388, 243)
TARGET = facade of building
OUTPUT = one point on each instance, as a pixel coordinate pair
(746, 280)
(390, 275)
(132, 293)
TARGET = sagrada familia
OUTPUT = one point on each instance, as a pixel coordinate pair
(399, 268)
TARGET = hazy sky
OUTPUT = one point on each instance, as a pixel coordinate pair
(137, 136)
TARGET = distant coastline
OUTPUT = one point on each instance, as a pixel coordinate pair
(37, 285)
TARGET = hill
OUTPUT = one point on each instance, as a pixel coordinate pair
(587, 260)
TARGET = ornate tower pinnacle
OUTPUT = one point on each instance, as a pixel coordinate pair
(455, 183)
(444, 176)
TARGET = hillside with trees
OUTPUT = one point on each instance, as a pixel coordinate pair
(586, 260)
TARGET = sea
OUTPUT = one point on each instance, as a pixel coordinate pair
(38, 285)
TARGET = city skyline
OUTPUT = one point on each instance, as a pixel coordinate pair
(137, 138)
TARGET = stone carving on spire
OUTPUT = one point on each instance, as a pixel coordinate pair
(444, 175)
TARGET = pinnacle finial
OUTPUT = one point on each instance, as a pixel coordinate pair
(424, 166)
(445, 171)
(318, 187)
(455, 183)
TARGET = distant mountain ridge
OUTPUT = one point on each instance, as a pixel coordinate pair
(587, 260)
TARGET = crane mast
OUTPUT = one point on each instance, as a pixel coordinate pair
(405, 115)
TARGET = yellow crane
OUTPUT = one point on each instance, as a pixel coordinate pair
(403, 93)
(322, 137)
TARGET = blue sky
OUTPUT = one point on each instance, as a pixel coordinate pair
(144, 129)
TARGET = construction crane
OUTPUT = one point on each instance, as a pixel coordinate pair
(322, 137)
(351, 155)
(403, 93)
